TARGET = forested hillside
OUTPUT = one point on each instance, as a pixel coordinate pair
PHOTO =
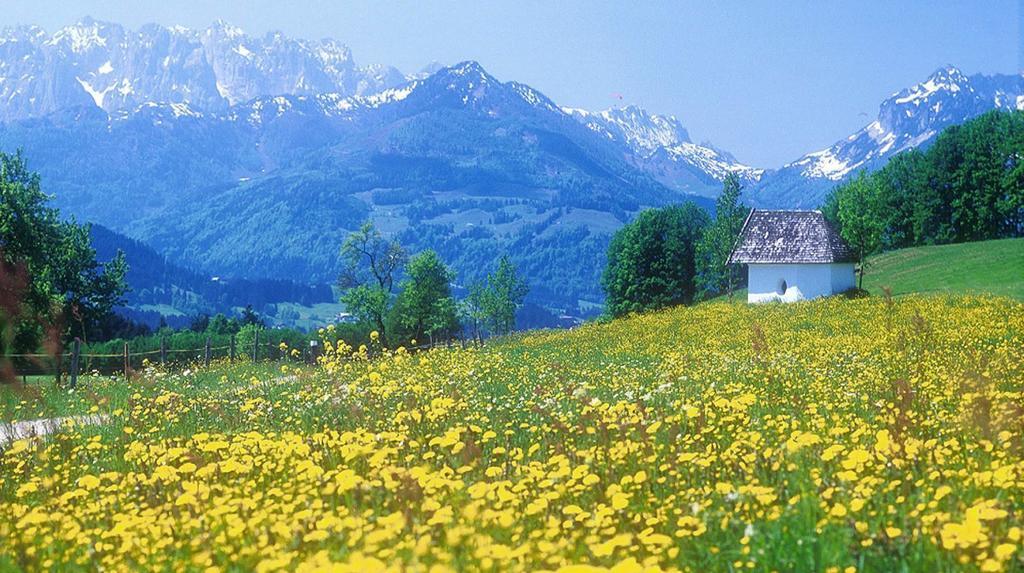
(968, 186)
(159, 288)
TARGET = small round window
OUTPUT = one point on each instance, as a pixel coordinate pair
(781, 289)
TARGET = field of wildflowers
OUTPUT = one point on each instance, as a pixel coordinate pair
(836, 435)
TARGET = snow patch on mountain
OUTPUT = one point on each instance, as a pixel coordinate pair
(97, 95)
(910, 118)
(713, 162)
(81, 37)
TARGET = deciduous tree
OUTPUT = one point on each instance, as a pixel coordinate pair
(506, 291)
(652, 260)
(425, 305)
(64, 291)
(861, 220)
(371, 265)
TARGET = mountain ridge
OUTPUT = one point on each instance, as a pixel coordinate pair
(457, 161)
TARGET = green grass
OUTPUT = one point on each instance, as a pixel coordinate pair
(309, 317)
(41, 398)
(994, 267)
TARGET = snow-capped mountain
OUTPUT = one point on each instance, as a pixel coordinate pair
(114, 68)
(220, 69)
(909, 118)
(662, 146)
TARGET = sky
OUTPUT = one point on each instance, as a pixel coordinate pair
(767, 81)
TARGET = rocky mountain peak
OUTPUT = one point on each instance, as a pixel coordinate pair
(103, 64)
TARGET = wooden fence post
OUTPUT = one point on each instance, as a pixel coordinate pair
(76, 348)
(255, 345)
(163, 351)
(60, 366)
(206, 361)
(127, 361)
(314, 351)
(231, 354)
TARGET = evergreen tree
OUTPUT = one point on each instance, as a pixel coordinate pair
(249, 316)
(714, 275)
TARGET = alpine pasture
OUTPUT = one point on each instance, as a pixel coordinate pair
(872, 434)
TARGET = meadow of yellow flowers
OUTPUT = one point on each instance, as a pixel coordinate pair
(835, 435)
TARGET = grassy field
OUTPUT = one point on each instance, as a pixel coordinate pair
(995, 267)
(833, 435)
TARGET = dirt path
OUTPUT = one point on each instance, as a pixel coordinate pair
(10, 432)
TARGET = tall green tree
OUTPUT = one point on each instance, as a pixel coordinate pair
(652, 261)
(861, 221)
(52, 283)
(505, 293)
(425, 305)
(371, 265)
(473, 308)
(714, 275)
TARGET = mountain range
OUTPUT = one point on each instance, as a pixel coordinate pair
(254, 157)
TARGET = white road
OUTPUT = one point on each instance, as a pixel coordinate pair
(10, 432)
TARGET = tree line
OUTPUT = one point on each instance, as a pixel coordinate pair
(967, 186)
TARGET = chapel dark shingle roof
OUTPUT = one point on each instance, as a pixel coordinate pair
(789, 237)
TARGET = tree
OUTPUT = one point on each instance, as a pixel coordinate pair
(221, 325)
(371, 263)
(861, 222)
(473, 308)
(652, 261)
(444, 320)
(247, 337)
(200, 323)
(63, 291)
(504, 294)
(714, 274)
(425, 305)
(249, 316)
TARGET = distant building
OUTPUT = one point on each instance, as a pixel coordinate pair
(569, 321)
(793, 255)
(345, 318)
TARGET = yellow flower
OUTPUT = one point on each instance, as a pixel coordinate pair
(88, 482)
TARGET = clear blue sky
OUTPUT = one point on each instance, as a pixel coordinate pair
(768, 81)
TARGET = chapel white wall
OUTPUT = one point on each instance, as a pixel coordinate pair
(803, 281)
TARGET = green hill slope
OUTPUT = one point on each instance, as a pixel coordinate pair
(995, 267)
